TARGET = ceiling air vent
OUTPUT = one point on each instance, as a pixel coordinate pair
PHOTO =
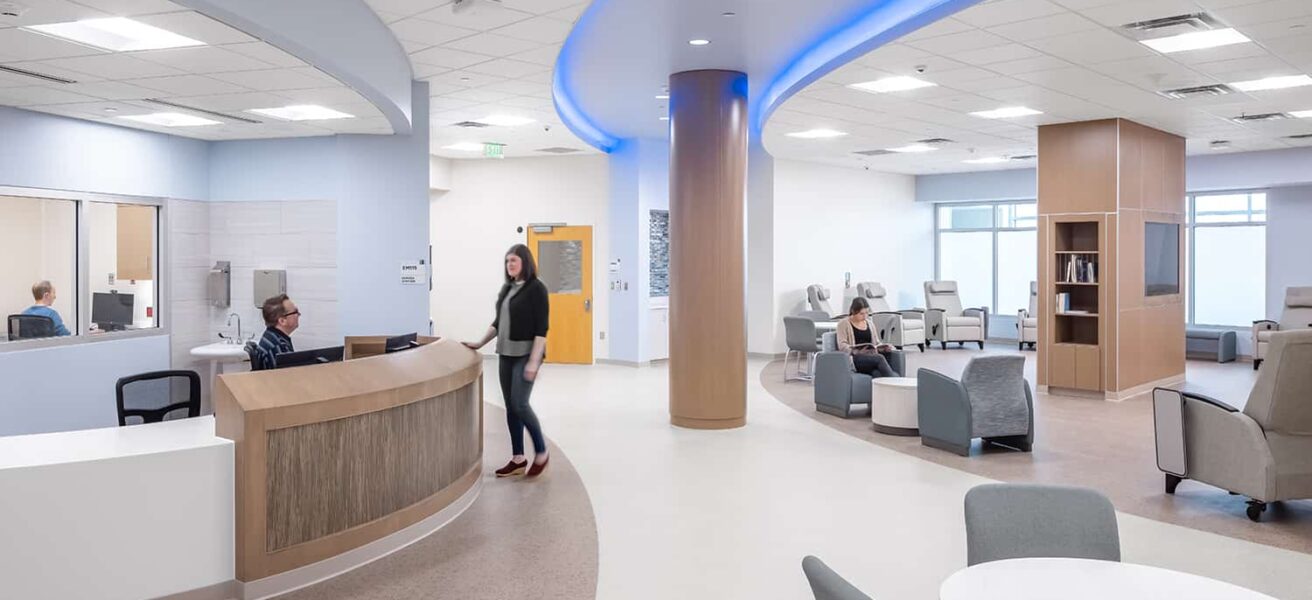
(1168, 26)
(558, 150)
(471, 124)
(1301, 136)
(1262, 117)
(41, 76)
(934, 141)
(1024, 157)
(874, 152)
(200, 110)
(1217, 89)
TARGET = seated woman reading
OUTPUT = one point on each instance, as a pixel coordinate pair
(857, 337)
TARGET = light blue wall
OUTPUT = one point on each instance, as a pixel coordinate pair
(1014, 184)
(1288, 246)
(639, 183)
(71, 387)
(274, 170)
(45, 151)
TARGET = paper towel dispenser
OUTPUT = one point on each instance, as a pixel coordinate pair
(269, 283)
(220, 284)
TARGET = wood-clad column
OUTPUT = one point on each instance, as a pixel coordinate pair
(708, 179)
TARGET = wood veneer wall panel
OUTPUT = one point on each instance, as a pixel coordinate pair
(1077, 167)
(1047, 296)
(328, 477)
(708, 179)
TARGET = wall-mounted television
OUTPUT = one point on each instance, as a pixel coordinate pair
(1161, 259)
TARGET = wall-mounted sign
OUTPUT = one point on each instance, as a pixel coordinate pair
(414, 272)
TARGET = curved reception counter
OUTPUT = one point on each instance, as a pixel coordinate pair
(332, 460)
(302, 473)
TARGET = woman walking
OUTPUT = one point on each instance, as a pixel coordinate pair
(520, 328)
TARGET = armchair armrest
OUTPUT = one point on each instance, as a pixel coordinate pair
(887, 322)
(1227, 449)
(1209, 400)
(934, 323)
(1265, 325)
(982, 314)
(833, 381)
(912, 313)
(943, 408)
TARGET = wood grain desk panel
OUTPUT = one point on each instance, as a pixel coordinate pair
(332, 457)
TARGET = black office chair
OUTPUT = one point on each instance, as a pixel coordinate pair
(26, 327)
(153, 396)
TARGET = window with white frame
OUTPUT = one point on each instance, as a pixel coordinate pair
(991, 250)
(1227, 258)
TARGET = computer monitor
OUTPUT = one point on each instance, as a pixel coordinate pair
(398, 343)
(303, 358)
(111, 311)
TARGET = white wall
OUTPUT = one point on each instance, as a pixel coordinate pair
(102, 226)
(829, 220)
(37, 242)
(475, 222)
(1288, 246)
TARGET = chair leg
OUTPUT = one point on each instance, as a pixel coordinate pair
(1021, 346)
(944, 344)
(1257, 362)
(922, 346)
(981, 344)
(961, 344)
(786, 355)
(1171, 482)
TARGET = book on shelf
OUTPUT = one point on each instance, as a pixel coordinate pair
(1079, 269)
(1063, 302)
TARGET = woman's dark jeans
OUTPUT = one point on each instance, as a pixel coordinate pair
(519, 415)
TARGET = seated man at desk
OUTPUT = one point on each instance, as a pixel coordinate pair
(44, 294)
(281, 318)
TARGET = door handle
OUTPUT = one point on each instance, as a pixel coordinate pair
(587, 305)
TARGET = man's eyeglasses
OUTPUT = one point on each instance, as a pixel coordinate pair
(294, 312)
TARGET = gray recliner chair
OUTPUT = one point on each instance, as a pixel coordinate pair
(827, 584)
(1027, 321)
(992, 401)
(946, 321)
(1297, 315)
(1264, 451)
(817, 296)
(837, 384)
(899, 328)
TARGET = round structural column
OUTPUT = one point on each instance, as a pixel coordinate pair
(708, 180)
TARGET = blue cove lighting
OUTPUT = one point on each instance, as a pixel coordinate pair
(566, 107)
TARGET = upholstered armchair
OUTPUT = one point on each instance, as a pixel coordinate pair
(1027, 321)
(818, 297)
(1297, 315)
(837, 384)
(992, 401)
(1263, 451)
(899, 328)
(946, 321)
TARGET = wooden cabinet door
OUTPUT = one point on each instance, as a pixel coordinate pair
(1061, 366)
(1088, 368)
(136, 242)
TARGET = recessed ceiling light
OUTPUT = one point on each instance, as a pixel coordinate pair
(665, 118)
(1007, 112)
(816, 134)
(900, 83)
(110, 109)
(1196, 40)
(302, 112)
(663, 97)
(465, 147)
(913, 148)
(699, 42)
(1301, 114)
(171, 119)
(991, 160)
(504, 120)
(116, 34)
(1272, 83)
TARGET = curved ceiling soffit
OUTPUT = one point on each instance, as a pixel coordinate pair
(344, 39)
(874, 24)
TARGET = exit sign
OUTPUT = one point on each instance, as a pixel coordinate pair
(493, 150)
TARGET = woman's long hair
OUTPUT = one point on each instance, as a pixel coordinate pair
(528, 270)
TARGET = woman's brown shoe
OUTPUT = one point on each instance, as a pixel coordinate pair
(538, 468)
(512, 468)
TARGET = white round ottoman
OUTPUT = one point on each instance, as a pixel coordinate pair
(893, 406)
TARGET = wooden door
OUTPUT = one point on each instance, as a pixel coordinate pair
(564, 258)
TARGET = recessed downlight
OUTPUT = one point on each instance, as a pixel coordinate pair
(900, 83)
(817, 134)
(913, 148)
(171, 119)
(1272, 83)
(302, 112)
(662, 96)
(1197, 40)
(698, 42)
(116, 34)
(665, 118)
(1008, 112)
(1301, 114)
(465, 147)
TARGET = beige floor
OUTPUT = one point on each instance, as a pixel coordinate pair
(520, 539)
(1104, 445)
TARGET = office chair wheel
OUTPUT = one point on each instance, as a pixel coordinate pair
(1255, 510)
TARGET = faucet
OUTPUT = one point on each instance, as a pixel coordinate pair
(240, 339)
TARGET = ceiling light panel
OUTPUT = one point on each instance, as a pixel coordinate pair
(1301, 114)
(1009, 112)
(465, 147)
(1272, 83)
(116, 34)
(816, 134)
(913, 148)
(900, 83)
(171, 119)
(302, 112)
(991, 160)
(1196, 40)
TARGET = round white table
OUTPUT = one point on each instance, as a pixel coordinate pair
(1084, 579)
(894, 405)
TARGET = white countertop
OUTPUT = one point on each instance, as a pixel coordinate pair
(221, 351)
(19, 451)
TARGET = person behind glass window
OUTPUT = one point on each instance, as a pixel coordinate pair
(281, 318)
(44, 294)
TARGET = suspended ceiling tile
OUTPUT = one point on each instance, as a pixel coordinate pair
(20, 44)
(482, 16)
(39, 94)
(492, 44)
(1044, 27)
(266, 53)
(543, 30)
(504, 67)
(114, 66)
(1007, 11)
(203, 59)
(448, 57)
(427, 32)
(197, 26)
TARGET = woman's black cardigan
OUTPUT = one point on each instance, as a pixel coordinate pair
(529, 311)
